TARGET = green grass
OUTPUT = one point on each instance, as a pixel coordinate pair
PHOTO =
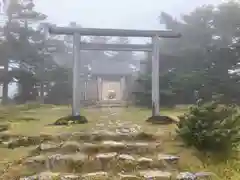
(29, 121)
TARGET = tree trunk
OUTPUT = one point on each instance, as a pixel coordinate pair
(41, 74)
(5, 84)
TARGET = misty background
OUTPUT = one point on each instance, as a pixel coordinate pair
(122, 14)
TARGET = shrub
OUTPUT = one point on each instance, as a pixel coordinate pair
(211, 127)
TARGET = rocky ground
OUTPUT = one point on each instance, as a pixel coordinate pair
(112, 149)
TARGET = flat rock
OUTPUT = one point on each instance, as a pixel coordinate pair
(106, 156)
(48, 146)
(71, 146)
(204, 174)
(64, 162)
(193, 176)
(51, 176)
(144, 160)
(126, 157)
(128, 177)
(186, 176)
(71, 157)
(96, 176)
(141, 147)
(70, 177)
(158, 175)
(42, 176)
(89, 145)
(111, 135)
(167, 157)
(138, 144)
(22, 142)
(40, 160)
(114, 143)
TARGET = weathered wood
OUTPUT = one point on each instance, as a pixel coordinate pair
(76, 60)
(116, 47)
(155, 77)
(112, 32)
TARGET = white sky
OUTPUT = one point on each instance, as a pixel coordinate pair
(131, 14)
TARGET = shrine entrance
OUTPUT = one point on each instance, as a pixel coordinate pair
(78, 45)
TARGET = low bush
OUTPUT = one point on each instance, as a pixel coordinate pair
(211, 127)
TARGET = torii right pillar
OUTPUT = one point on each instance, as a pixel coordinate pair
(156, 117)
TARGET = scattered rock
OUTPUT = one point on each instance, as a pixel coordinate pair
(164, 120)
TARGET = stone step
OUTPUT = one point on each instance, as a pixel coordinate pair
(109, 135)
(93, 148)
(110, 162)
(101, 175)
(22, 141)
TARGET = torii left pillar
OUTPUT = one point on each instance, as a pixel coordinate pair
(155, 77)
(76, 93)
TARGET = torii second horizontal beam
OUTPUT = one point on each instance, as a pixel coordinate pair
(116, 47)
(112, 32)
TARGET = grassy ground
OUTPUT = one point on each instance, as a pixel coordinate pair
(32, 121)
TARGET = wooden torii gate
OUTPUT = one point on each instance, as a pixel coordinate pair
(77, 32)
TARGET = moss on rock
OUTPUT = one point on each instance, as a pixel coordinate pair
(164, 120)
(68, 120)
(4, 127)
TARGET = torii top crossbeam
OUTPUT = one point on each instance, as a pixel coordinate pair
(112, 32)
